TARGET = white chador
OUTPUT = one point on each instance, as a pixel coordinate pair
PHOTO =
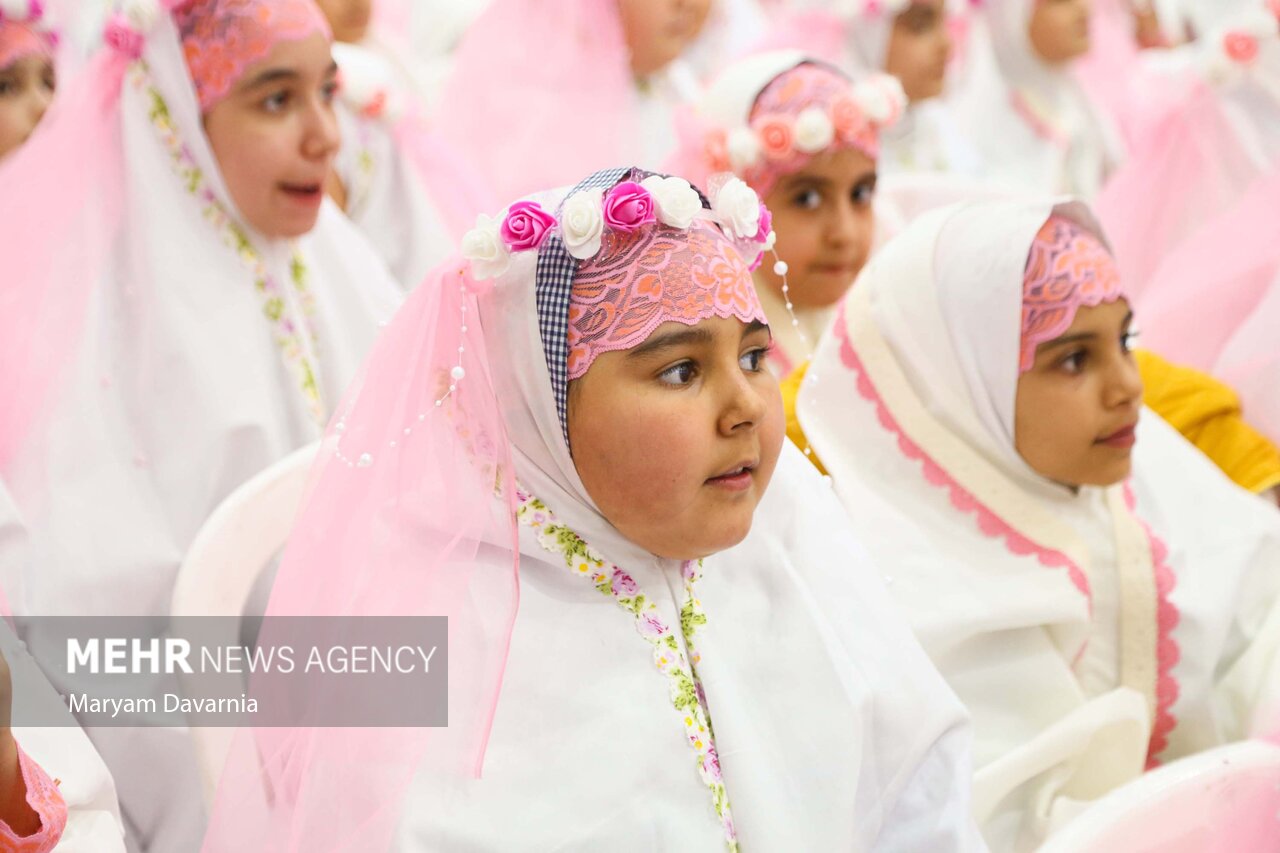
(833, 731)
(385, 194)
(1031, 123)
(1086, 638)
(198, 366)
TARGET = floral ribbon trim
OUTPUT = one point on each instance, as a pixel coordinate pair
(296, 338)
(687, 695)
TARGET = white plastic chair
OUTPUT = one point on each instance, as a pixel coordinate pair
(1225, 800)
(236, 543)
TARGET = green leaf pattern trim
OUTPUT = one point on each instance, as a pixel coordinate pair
(687, 695)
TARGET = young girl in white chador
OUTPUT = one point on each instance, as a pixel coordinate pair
(212, 311)
(661, 633)
(1098, 594)
(807, 138)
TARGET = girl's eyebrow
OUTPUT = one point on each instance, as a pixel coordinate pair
(276, 75)
(669, 340)
(1082, 336)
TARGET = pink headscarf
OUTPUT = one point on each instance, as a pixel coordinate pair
(1068, 268)
(221, 38)
(22, 37)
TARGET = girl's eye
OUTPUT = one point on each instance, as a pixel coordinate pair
(276, 102)
(7, 87)
(864, 194)
(1129, 340)
(753, 361)
(1073, 362)
(330, 91)
(678, 374)
(808, 200)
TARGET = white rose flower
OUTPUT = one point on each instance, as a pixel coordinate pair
(743, 148)
(882, 98)
(737, 207)
(582, 223)
(483, 247)
(814, 130)
(677, 201)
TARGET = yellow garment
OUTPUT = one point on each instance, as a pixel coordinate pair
(1208, 414)
(790, 390)
(1205, 411)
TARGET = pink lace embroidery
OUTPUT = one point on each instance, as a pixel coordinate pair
(19, 40)
(1067, 269)
(989, 523)
(222, 38)
(651, 276)
(46, 801)
(1167, 651)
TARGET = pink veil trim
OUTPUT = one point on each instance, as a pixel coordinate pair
(1167, 651)
(990, 524)
(410, 504)
(49, 190)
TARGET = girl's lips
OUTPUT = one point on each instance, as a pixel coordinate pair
(1122, 438)
(308, 194)
(736, 480)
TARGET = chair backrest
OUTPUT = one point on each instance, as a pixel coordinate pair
(236, 543)
(1224, 800)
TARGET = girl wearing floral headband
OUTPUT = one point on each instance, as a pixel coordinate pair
(806, 138)
(568, 443)
(214, 308)
(1101, 598)
(27, 75)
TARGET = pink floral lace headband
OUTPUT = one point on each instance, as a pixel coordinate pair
(648, 253)
(21, 33)
(1067, 269)
(805, 111)
(222, 38)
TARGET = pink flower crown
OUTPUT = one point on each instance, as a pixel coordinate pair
(853, 118)
(627, 207)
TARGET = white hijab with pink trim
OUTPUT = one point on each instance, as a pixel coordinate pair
(1091, 633)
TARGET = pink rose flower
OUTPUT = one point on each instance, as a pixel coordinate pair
(121, 36)
(711, 764)
(628, 206)
(1241, 47)
(847, 117)
(623, 584)
(649, 626)
(776, 138)
(526, 226)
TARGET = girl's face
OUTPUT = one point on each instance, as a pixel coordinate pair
(349, 19)
(275, 136)
(823, 217)
(1078, 405)
(1059, 29)
(676, 439)
(919, 49)
(658, 31)
(26, 90)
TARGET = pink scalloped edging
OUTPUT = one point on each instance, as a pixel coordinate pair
(45, 800)
(989, 523)
(1167, 651)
